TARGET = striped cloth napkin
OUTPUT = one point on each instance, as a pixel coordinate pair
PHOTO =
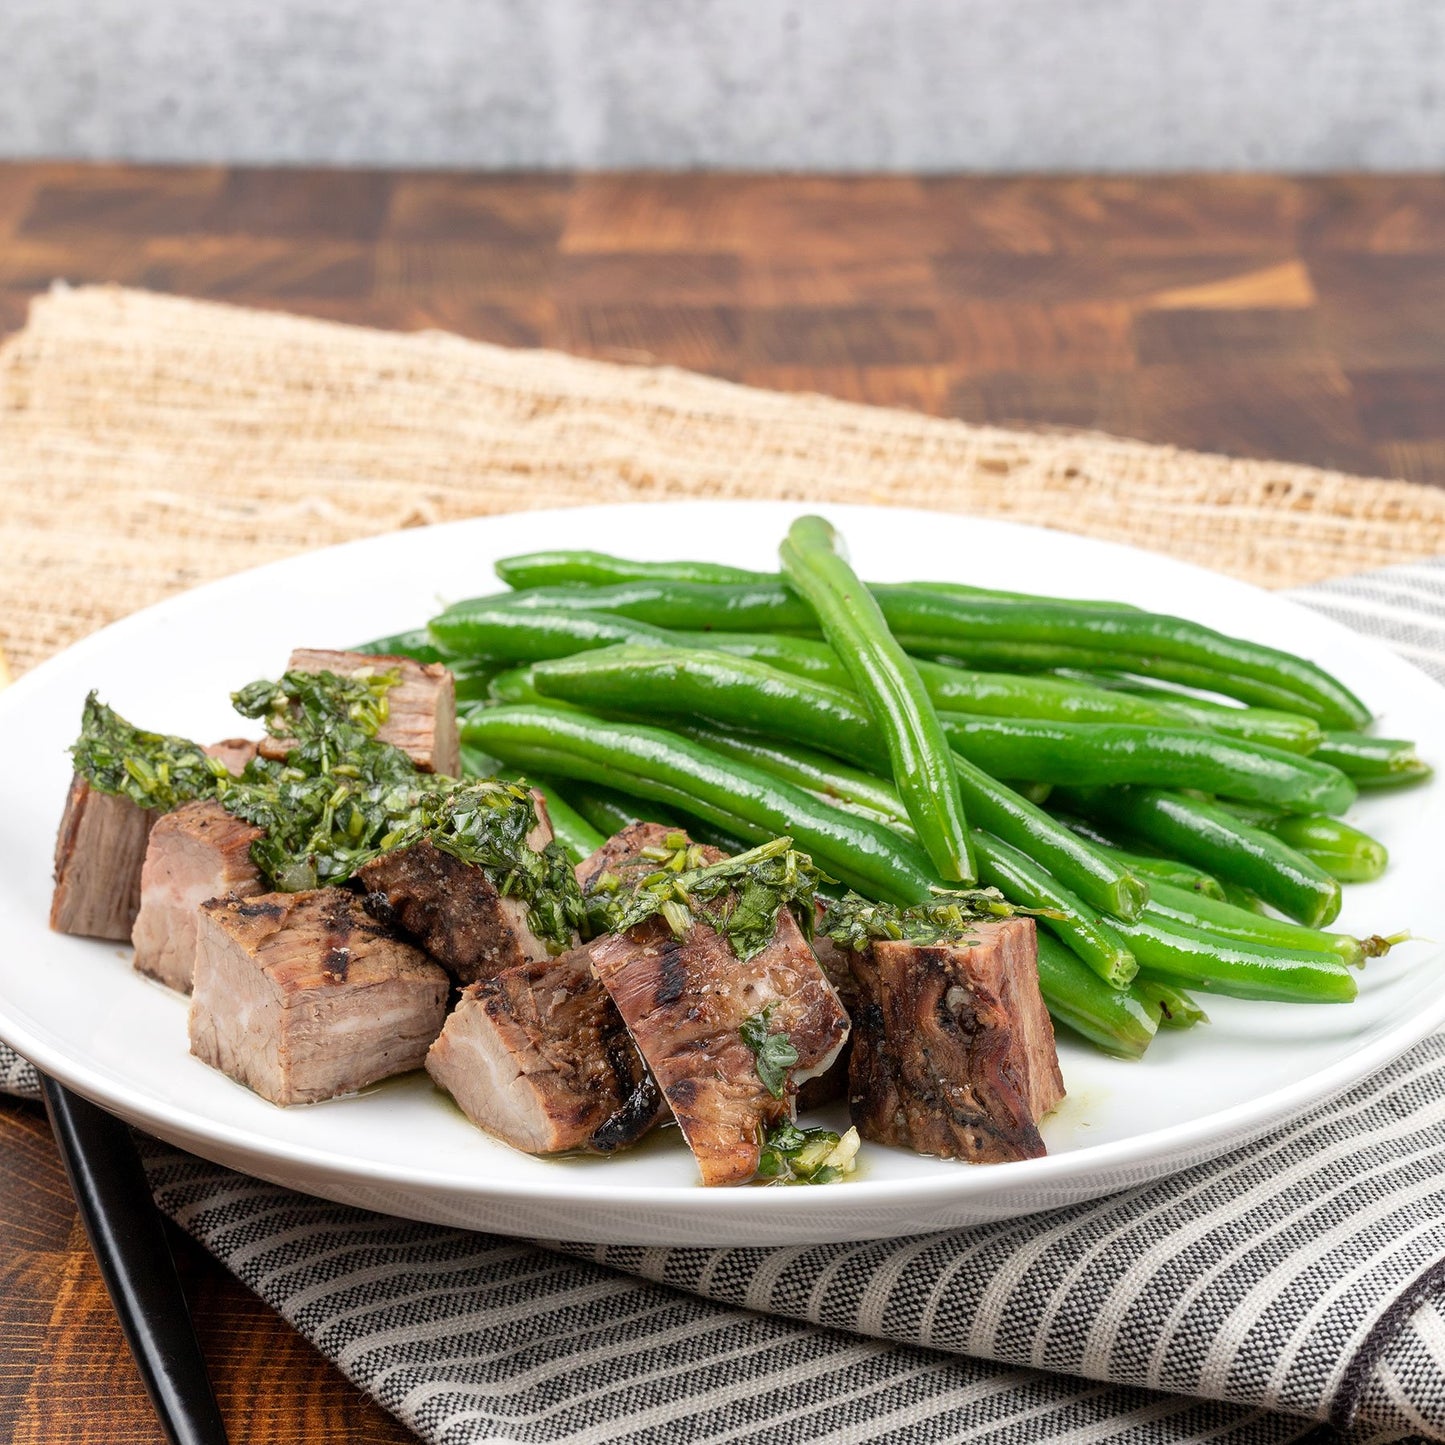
(1292, 1286)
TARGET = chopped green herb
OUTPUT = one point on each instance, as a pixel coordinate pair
(151, 769)
(740, 897)
(774, 1053)
(791, 1155)
(854, 923)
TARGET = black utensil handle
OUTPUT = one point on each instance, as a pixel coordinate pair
(125, 1231)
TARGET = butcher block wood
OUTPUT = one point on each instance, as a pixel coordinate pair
(1261, 316)
(1294, 318)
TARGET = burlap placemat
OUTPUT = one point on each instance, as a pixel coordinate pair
(148, 443)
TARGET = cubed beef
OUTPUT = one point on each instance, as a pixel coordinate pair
(538, 1056)
(302, 996)
(685, 1000)
(421, 708)
(453, 909)
(953, 1051)
(197, 853)
(99, 851)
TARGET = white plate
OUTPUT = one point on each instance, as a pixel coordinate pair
(78, 1010)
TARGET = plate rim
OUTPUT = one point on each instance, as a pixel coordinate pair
(1190, 1140)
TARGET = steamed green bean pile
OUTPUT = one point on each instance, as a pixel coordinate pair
(1167, 798)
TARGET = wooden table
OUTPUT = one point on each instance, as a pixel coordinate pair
(1302, 319)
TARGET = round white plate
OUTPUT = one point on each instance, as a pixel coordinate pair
(79, 1011)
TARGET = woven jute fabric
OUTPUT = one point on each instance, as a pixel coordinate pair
(148, 443)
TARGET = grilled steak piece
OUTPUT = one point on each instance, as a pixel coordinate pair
(421, 708)
(453, 909)
(953, 1051)
(685, 1000)
(301, 996)
(98, 855)
(198, 852)
(538, 1056)
(100, 849)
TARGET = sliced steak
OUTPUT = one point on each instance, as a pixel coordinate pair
(196, 853)
(453, 909)
(99, 851)
(301, 996)
(421, 708)
(685, 1000)
(953, 1051)
(538, 1056)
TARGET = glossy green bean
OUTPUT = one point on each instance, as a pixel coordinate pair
(600, 569)
(609, 811)
(416, 643)
(1080, 661)
(1343, 851)
(1198, 958)
(887, 682)
(1115, 1020)
(1099, 754)
(742, 693)
(1169, 1007)
(1287, 730)
(1242, 924)
(1374, 762)
(1023, 882)
(954, 624)
(1132, 634)
(659, 765)
(1221, 844)
(826, 777)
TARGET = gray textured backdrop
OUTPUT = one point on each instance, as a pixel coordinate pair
(833, 84)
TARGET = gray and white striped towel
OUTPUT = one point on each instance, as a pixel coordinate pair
(1294, 1285)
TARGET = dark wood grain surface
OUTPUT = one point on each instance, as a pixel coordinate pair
(1302, 319)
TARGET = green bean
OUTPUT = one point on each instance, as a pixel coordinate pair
(516, 684)
(415, 644)
(1169, 1007)
(1135, 640)
(1213, 839)
(891, 690)
(1244, 898)
(1080, 661)
(825, 777)
(609, 811)
(651, 763)
(1007, 694)
(1287, 730)
(1343, 851)
(598, 569)
(1374, 762)
(1129, 634)
(478, 764)
(499, 633)
(742, 693)
(1115, 1020)
(1095, 754)
(1198, 958)
(1020, 879)
(1242, 924)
